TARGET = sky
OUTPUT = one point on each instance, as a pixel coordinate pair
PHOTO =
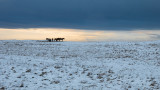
(89, 16)
(79, 34)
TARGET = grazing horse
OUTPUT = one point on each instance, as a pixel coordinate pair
(59, 39)
(48, 39)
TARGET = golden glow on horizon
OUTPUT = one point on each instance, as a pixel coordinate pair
(76, 34)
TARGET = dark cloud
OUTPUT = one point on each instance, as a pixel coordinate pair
(82, 14)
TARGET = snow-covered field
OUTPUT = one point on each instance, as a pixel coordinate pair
(34, 65)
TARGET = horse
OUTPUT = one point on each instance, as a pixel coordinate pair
(59, 39)
(48, 39)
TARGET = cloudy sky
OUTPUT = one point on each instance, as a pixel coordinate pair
(114, 15)
(83, 14)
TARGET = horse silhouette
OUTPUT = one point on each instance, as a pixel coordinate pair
(59, 39)
(48, 39)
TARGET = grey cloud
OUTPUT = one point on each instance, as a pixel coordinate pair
(155, 36)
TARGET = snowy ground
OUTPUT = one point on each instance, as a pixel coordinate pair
(79, 65)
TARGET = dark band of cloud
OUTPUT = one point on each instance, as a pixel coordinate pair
(80, 14)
